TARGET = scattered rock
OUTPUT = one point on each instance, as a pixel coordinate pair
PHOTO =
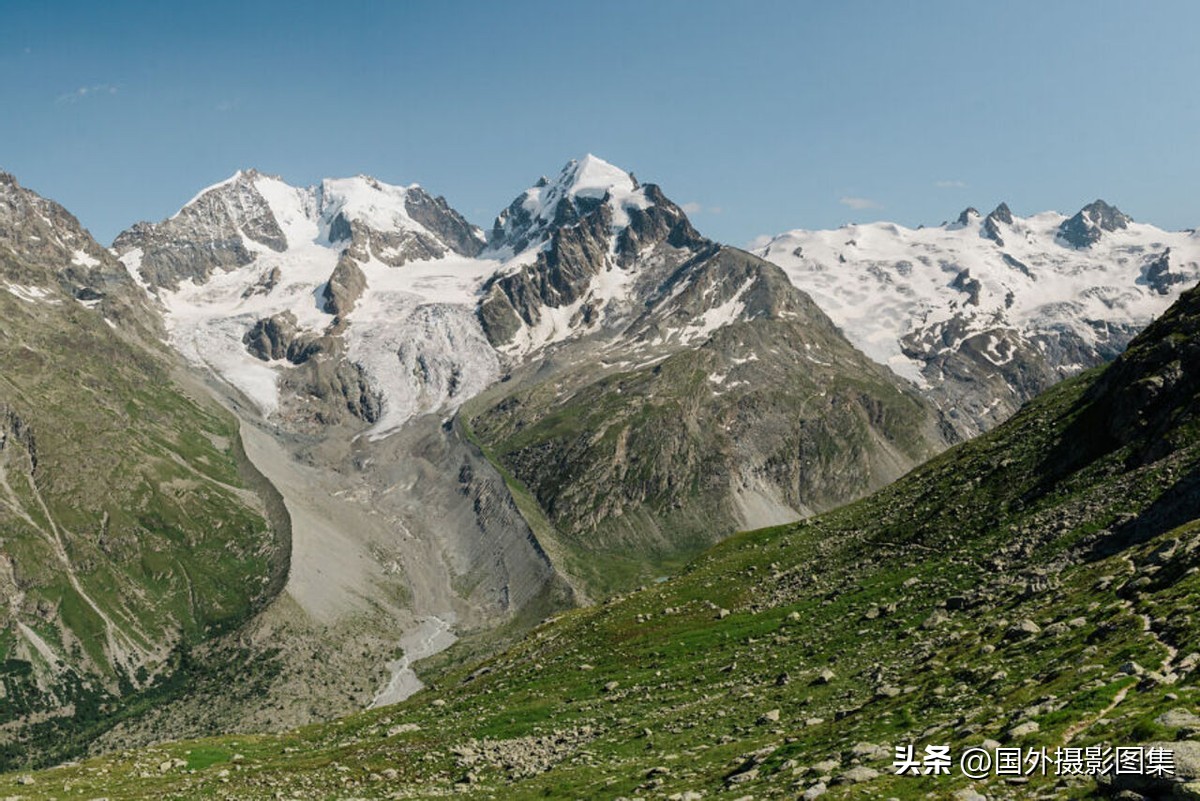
(827, 766)
(1184, 784)
(816, 791)
(1022, 629)
(859, 773)
(1023, 730)
(1179, 719)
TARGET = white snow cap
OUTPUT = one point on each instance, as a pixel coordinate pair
(372, 202)
(588, 177)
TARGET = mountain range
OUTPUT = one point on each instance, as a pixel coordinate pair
(412, 431)
(1032, 589)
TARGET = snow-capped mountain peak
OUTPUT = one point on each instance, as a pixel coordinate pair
(581, 186)
(954, 306)
(967, 216)
(358, 293)
(1089, 224)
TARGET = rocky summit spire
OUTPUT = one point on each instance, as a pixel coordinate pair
(1089, 223)
(991, 224)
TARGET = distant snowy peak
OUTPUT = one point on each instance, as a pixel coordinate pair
(582, 254)
(227, 225)
(581, 187)
(1030, 299)
(1089, 224)
(393, 224)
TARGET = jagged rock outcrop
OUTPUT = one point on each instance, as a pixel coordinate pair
(1158, 275)
(1001, 215)
(271, 337)
(594, 227)
(46, 251)
(344, 288)
(1089, 224)
(216, 231)
(436, 215)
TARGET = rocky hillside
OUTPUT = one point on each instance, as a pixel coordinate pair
(1033, 588)
(665, 390)
(128, 533)
(989, 310)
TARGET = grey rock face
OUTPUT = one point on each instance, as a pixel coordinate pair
(395, 247)
(47, 248)
(1157, 273)
(271, 337)
(1089, 223)
(966, 215)
(339, 387)
(436, 215)
(576, 252)
(963, 282)
(991, 224)
(558, 278)
(1184, 784)
(207, 235)
(345, 287)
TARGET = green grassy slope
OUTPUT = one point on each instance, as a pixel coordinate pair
(126, 529)
(1034, 587)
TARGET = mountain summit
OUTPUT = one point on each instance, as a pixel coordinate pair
(986, 312)
(1091, 222)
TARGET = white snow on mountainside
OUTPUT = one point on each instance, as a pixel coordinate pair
(269, 248)
(426, 305)
(547, 205)
(883, 283)
(982, 313)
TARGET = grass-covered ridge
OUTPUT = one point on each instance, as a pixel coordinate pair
(128, 527)
(1030, 588)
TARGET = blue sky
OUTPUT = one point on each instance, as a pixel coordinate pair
(762, 116)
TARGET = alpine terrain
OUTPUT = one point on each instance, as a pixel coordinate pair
(985, 312)
(266, 459)
(131, 524)
(1034, 588)
(470, 431)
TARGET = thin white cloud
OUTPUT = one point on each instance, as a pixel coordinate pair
(950, 184)
(859, 203)
(84, 92)
(692, 208)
